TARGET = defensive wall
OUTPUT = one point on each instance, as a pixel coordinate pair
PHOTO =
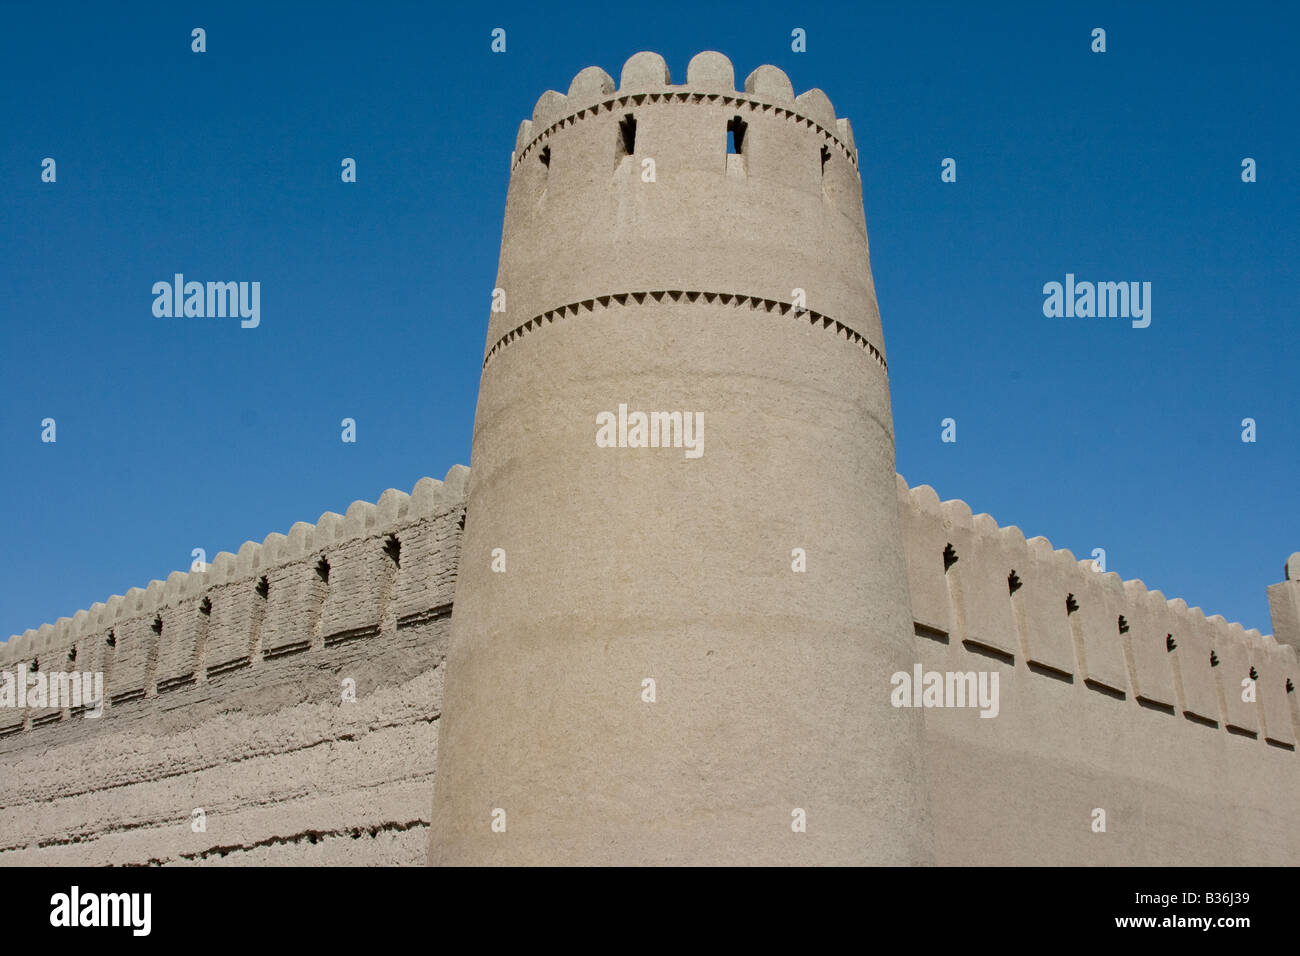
(1111, 698)
(225, 693)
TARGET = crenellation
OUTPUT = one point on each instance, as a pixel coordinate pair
(1064, 617)
(645, 82)
(644, 72)
(180, 645)
(297, 593)
(589, 85)
(1039, 604)
(770, 83)
(197, 626)
(237, 611)
(361, 518)
(393, 506)
(978, 582)
(273, 549)
(134, 652)
(426, 580)
(816, 105)
(1095, 631)
(1277, 672)
(711, 71)
(924, 542)
(221, 567)
(301, 541)
(1150, 678)
(1193, 638)
(360, 581)
(328, 528)
(1284, 603)
(1233, 672)
(844, 130)
(551, 107)
(46, 658)
(250, 556)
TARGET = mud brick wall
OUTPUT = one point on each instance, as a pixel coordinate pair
(225, 736)
(1111, 697)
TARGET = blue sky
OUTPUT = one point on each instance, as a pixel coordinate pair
(176, 434)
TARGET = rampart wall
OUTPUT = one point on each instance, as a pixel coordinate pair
(1111, 698)
(225, 693)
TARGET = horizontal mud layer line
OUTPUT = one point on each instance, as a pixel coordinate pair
(633, 100)
(206, 762)
(601, 303)
(351, 634)
(423, 617)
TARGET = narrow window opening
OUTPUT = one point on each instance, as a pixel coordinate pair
(263, 587)
(1013, 582)
(157, 624)
(1290, 687)
(736, 136)
(393, 548)
(1071, 605)
(205, 606)
(1123, 625)
(949, 557)
(826, 158)
(461, 523)
(112, 639)
(1214, 659)
(323, 570)
(1170, 643)
(72, 653)
(545, 156)
(626, 136)
(36, 663)
(1254, 674)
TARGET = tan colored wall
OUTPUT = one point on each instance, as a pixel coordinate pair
(1089, 717)
(626, 564)
(287, 774)
(239, 711)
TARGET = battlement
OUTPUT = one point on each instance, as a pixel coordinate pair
(1024, 603)
(710, 80)
(390, 565)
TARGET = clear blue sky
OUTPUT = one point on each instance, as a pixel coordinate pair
(176, 434)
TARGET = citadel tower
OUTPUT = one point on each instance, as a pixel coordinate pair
(645, 265)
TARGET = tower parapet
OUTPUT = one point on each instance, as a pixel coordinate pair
(783, 212)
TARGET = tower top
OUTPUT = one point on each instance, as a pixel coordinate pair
(691, 189)
(710, 78)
